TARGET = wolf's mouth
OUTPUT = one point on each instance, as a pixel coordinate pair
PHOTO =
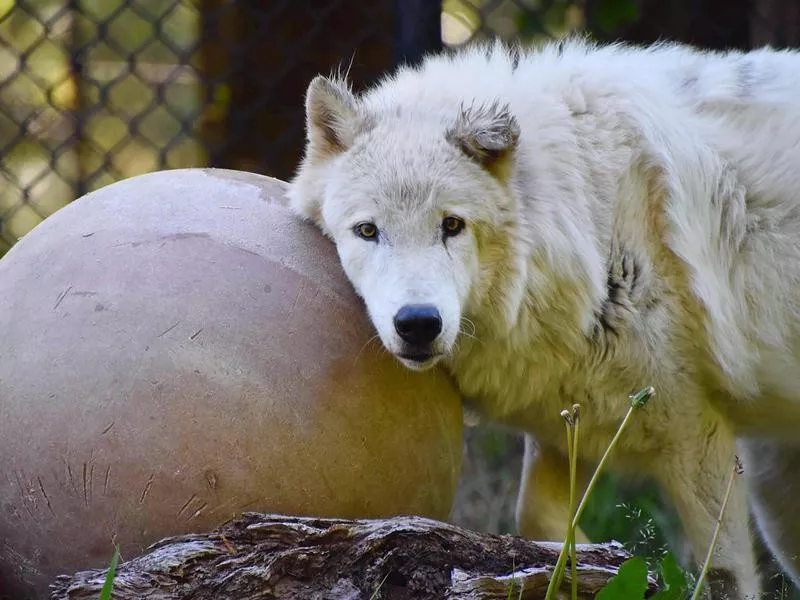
(416, 356)
(419, 360)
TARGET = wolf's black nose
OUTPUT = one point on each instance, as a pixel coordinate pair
(418, 324)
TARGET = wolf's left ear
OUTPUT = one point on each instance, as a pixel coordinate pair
(331, 119)
(488, 134)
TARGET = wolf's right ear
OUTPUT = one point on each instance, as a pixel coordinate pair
(488, 134)
(331, 118)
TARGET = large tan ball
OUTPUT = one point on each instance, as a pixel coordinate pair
(177, 348)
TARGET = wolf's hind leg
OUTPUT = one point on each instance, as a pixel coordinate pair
(695, 473)
(543, 501)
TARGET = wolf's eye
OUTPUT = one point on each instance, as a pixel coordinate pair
(452, 226)
(366, 231)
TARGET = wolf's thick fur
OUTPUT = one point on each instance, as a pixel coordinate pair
(631, 218)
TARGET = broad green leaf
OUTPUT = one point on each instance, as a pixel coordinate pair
(630, 583)
(675, 584)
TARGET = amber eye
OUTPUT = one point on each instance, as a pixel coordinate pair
(452, 226)
(367, 231)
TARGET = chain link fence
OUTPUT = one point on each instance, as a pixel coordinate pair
(93, 91)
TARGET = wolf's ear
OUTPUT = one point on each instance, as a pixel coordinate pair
(331, 119)
(488, 134)
(331, 126)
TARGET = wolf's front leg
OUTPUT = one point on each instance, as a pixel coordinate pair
(695, 473)
(543, 501)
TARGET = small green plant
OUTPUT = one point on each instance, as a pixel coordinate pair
(737, 470)
(573, 428)
(377, 591)
(673, 580)
(108, 586)
(513, 583)
(631, 580)
(636, 401)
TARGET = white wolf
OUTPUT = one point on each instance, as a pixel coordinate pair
(571, 224)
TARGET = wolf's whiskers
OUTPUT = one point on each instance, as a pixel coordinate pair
(469, 334)
(367, 343)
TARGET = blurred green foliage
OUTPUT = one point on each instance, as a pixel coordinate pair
(609, 15)
(631, 512)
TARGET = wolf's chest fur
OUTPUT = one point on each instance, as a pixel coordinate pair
(525, 379)
(646, 330)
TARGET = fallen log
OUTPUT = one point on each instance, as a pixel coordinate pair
(259, 556)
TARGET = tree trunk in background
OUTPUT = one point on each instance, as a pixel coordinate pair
(775, 22)
(418, 29)
(257, 59)
(716, 24)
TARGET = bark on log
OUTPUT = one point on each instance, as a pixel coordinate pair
(275, 556)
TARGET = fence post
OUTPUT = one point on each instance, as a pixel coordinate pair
(257, 60)
(714, 24)
(418, 29)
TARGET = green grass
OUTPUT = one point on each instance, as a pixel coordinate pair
(108, 586)
(637, 401)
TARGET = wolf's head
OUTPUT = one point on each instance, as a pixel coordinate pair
(414, 202)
